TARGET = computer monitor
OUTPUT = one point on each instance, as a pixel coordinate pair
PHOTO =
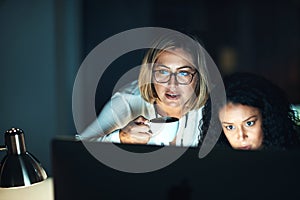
(222, 174)
(296, 109)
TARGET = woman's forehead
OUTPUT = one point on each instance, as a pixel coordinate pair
(178, 55)
(238, 112)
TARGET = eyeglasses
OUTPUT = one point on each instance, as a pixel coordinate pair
(182, 77)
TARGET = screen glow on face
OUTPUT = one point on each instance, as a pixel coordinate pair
(183, 75)
(174, 80)
(242, 126)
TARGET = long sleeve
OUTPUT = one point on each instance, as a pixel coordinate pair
(117, 113)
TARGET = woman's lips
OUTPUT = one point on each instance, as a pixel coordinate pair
(247, 147)
(172, 96)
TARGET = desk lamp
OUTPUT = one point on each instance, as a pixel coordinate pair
(19, 167)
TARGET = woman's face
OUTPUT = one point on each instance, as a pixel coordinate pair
(242, 126)
(175, 91)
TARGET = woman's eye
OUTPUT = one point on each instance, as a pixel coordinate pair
(183, 73)
(164, 72)
(250, 123)
(229, 127)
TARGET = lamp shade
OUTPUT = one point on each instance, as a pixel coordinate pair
(19, 167)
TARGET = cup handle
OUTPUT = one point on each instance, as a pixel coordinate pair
(148, 123)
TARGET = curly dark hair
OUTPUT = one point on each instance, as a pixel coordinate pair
(279, 121)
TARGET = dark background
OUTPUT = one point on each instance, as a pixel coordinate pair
(43, 43)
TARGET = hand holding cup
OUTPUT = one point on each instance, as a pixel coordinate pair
(163, 130)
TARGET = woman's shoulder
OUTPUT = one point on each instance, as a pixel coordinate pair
(198, 111)
(131, 88)
(130, 93)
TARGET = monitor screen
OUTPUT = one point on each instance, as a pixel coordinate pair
(296, 108)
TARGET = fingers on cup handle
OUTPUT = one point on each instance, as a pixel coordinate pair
(141, 120)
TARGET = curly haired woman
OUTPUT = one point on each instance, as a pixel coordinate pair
(257, 114)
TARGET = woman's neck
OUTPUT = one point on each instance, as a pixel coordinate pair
(177, 112)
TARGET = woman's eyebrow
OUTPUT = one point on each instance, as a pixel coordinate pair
(226, 123)
(160, 65)
(186, 66)
(253, 116)
(179, 68)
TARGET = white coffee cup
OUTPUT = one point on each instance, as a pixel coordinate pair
(163, 130)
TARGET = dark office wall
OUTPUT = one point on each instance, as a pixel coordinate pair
(255, 36)
(104, 19)
(27, 45)
(39, 57)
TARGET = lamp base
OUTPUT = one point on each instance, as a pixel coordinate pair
(38, 191)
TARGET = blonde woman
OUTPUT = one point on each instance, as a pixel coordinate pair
(172, 82)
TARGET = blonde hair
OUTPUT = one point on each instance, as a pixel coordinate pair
(171, 42)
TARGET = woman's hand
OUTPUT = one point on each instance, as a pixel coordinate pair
(135, 132)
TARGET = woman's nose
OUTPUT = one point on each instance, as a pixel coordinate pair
(173, 80)
(242, 134)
